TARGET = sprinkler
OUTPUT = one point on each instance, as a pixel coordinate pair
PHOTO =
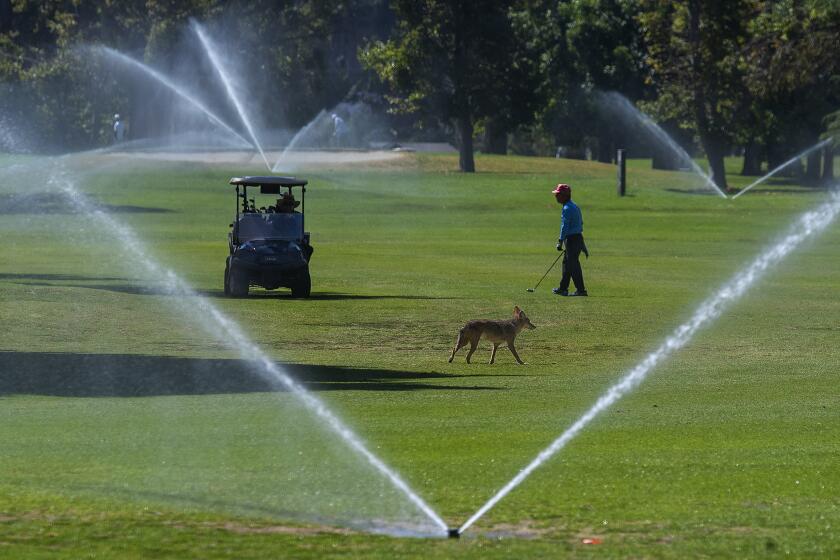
(809, 224)
(785, 164)
(454, 534)
(180, 91)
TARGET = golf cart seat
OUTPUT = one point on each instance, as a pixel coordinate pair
(254, 226)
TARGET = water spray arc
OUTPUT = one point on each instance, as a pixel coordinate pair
(212, 53)
(627, 108)
(298, 138)
(231, 335)
(180, 91)
(809, 224)
(782, 166)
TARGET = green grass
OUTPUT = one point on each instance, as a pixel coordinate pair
(128, 431)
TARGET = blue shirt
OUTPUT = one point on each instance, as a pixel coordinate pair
(572, 220)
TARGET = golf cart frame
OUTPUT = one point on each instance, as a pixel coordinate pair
(268, 246)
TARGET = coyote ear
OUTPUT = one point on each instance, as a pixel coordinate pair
(516, 310)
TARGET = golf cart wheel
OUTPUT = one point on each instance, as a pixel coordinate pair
(238, 283)
(227, 276)
(302, 286)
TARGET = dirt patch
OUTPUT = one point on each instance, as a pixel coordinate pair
(522, 530)
(275, 529)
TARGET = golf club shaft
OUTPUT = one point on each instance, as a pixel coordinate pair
(549, 269)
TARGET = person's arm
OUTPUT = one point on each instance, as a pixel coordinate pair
(565, 219)
(564, 227)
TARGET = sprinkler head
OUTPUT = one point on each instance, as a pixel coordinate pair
(529, 289)
(454, 534)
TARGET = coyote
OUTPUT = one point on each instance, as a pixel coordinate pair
(496, 331)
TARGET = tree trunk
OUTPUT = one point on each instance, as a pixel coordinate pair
(714, 153)
(752, 163)
(495, 138)
(606, 148)
(828, 164)
(466, 160)
(814, 165)
(714, 149)
(712, 143)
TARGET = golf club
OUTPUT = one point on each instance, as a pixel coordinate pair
(546, 272)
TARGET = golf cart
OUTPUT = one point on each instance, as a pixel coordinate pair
(268, 245)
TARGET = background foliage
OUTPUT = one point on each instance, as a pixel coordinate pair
(753, 77)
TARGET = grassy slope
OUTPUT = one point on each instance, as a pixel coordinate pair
(729, 449)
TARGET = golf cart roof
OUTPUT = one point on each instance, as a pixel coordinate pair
(268, 181)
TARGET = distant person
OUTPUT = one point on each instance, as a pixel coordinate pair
(571, 238)
(340, 131)
(119, 129)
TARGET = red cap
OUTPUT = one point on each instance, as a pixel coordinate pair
(562, 187)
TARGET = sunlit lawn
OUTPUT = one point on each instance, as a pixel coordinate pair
(130, 431)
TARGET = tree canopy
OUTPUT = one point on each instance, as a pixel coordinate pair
(754, 77)
(461, 62)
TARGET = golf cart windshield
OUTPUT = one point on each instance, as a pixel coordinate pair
(253, 226)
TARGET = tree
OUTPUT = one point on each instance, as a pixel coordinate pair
(794, 76)
(606, 47)
(304, 56)
(307, 50)
(64, 93)
(584, 46)
(694, 51)
(460, 61)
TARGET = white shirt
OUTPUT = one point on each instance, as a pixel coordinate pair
(119, 131)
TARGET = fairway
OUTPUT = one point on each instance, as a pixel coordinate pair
(130, 429)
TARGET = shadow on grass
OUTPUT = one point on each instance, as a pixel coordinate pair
(53, 277)
(781, 180)
(793, 188)
(140, 290)
(132, 289)
(772, 190)
(124, 375)
(701, 191)
(50, 203)
(322, 296)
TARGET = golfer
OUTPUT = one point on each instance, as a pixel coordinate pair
(571, 237)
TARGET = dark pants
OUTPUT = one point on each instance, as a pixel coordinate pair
(571, 263)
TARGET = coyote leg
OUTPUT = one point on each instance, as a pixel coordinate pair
(460, 343)
(493, 354)
(473, 346)
(515, 355)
